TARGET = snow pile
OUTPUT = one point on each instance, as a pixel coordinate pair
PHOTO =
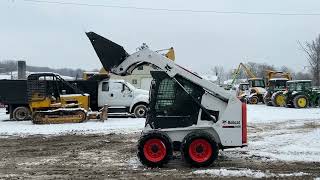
(243, 173)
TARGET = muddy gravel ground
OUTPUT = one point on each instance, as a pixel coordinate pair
(113, 156)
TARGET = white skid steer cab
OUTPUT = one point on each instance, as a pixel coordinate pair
(186, 112)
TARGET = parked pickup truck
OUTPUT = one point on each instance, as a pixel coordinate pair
(120, 96)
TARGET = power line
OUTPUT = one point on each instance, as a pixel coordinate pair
(171, 10)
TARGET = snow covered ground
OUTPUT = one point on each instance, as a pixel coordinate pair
(274, 133)
(243, 173)
(112, 125)
(284, 133)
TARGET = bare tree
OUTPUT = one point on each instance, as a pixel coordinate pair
(312, 49)
(285, 69)
(259, 69)
(219, 72)
(302, 76)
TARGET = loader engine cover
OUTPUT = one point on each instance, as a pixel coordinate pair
(170, 106)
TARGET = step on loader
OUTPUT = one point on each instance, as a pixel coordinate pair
(186, 113)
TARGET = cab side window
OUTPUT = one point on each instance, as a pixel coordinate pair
(105, 86)
(116, 86)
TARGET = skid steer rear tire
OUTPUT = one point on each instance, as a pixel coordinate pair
(199, 149)
(278, 99)
(21, 113)
(300, 101)
(155, 149)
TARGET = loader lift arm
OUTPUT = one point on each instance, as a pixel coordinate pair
(116, 60)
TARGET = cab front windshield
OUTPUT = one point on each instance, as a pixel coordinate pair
(130, 86)
(257, 83)
(277, 84)
(244, 87)
(301, 86)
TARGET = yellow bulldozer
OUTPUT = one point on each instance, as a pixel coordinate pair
(50, 103)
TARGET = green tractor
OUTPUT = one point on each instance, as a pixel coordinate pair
(274, 95)
(300, 94)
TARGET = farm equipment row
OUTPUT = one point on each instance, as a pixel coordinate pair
(280, 91)
(275, 89)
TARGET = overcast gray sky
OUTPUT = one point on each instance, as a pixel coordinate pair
(53, 35)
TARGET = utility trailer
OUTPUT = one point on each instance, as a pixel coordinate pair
(186, 112)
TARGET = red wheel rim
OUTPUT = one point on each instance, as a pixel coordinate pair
(200, 150)
(154, 150)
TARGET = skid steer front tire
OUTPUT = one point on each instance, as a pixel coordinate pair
(199, 149)
(154, 149)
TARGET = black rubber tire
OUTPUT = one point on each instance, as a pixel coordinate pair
(195, 136)
(21, 113)
(254, 100)
(165, 140)
(295, 101)
(267, 100)
(274, 98)
(36, 118)
(140, 111)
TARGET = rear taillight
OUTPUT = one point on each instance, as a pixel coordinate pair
(244, 124)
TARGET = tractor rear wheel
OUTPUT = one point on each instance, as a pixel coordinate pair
(300, 101)
(199, 149)
(254, 100)
(278, 99)
(154, 149)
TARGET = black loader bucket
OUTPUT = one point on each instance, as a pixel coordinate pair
(110, 54)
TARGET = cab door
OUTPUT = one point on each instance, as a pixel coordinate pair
(111, 93)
